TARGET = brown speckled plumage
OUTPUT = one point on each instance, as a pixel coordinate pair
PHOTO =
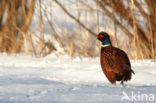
(114, 61)
(115, 64)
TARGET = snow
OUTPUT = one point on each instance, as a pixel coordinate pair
(52, 79)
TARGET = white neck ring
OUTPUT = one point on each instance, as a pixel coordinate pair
(105, 45)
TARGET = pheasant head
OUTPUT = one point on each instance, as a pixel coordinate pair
(104, 38)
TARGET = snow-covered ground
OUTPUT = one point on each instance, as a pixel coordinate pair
(26, 79)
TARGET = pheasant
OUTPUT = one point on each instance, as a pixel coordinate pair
(114, 61)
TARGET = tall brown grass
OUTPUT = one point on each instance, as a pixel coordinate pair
(15, 18)
(73, 24)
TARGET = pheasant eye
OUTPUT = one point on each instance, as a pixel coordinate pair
(100, 36)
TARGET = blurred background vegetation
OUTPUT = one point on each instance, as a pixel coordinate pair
(40, 27)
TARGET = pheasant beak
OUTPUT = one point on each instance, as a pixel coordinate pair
(97, 36)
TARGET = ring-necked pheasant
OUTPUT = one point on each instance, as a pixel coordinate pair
(114, 61)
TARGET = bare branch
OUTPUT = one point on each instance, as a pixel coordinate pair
(74, 18)
(140, 9)
(114, 19)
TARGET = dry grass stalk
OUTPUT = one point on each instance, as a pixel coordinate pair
(139, 41)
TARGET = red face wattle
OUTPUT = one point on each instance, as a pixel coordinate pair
(100, 37)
